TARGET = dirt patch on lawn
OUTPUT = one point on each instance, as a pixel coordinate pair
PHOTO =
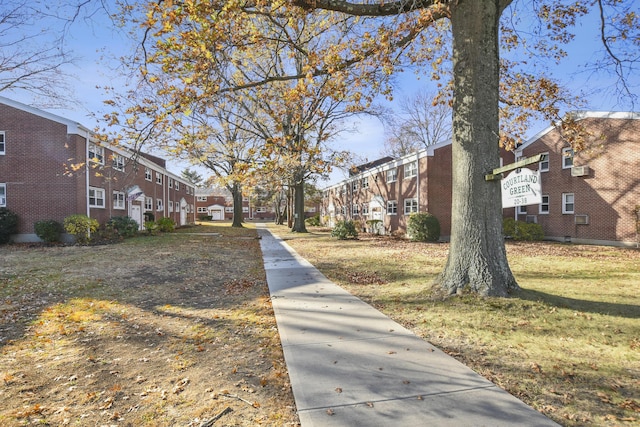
(160, 331)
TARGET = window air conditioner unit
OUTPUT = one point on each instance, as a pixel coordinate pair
(532, 219)
(582, 219)
(580, 171)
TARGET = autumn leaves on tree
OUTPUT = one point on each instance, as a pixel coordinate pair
(286, 74)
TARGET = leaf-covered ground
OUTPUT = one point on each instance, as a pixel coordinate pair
(567, 344)
(155, 331)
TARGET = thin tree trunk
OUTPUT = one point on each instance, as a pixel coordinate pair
(236, 192)
(477, 257)
(299, 225)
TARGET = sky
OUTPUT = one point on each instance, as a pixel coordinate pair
(96, 43)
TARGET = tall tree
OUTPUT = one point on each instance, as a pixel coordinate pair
(421, 121)
(192, 176)
(477, 258)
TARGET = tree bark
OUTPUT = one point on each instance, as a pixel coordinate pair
(477, 256)
(236, 193)
(299, 225)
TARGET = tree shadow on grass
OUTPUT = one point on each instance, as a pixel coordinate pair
(630, 311)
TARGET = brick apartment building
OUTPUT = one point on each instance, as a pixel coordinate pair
(52, 167)
(589, 197)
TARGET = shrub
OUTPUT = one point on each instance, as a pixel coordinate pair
(48, 230)
(8, 225)
(149, 216)
(151, 227)
(314, 221)
(166, 225)
(375, 225)
(123, 225)
(344, 229)
(205, 217)
(81, 227)
(520, 230)
(423, 227)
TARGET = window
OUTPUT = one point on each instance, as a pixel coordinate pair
(118, 200)
(170, 182)
(544, 206)
(567, 158)
(178, 186)
(354, 185)
(410, 206)
(392, 175)
(245, 209)
(355, 210)
(170, 206)
(147, 174)
(158, 204)
(96, 153)
(364, 182)
(3, 195)
(228, 209)
(261, 209)
(118, 162)
(202, 198)
(311, 209)
(522, 210)
(543, 166)
(148, 203)
(202, 210)
(96, 197)
(568, 203)
(2, 143)
(158, 178)
(392, 207)
(365, 209)
(411, 169)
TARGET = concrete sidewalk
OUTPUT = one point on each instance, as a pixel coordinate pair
(350, 365)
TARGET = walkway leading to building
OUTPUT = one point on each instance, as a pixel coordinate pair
(350, 365)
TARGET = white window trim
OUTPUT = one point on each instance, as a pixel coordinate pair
(202, 198)
(566, 156)
(411, 169)
(119, 200)
(170, 182)
(148, 204)
(545, 162)
(393, 203)
(98, 154)
(118, 162)
(95, 197)
(564, 203)
(365, 209)
(355, 209)
(148, 174)
(158, 178)
(170, 206)
(3, 195)
(522, 210)
(394, 176)
(3, 143)
(413, 202)
(178, 187)
(159, 206)
(364, 182)
(548, 205)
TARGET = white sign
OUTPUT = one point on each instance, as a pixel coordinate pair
(520, 188)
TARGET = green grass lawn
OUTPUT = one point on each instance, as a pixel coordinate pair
(568, 343)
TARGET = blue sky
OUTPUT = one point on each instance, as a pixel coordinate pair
(95, 43)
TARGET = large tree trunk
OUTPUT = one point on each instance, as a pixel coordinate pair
(477, 257)
(236, 193)
(299, 225)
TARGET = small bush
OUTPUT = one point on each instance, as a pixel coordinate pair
(375, 226)
(344, 229)
(314, 221)
(151, 227)
(149, 216)
(205, 217)
(166, 225)
(8, 225)
(123, 225)
(520, 230)
(48, 230)
(423, 227)
(81, 227)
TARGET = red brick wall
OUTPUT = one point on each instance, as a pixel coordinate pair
(608, 194)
